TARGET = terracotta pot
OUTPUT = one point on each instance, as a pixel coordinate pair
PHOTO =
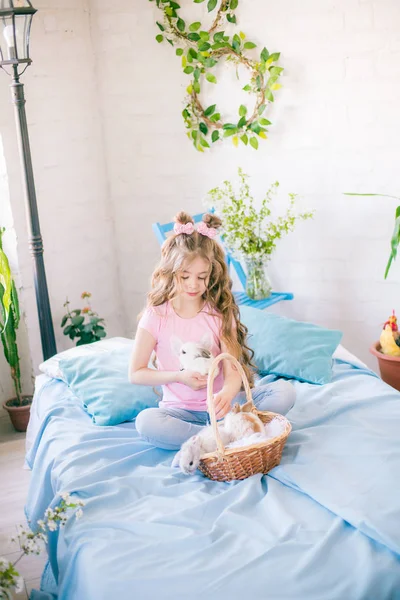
(389, 366)
(19, 415)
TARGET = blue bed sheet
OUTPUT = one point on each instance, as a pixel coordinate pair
(323, 525)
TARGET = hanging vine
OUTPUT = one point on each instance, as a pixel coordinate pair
(200, 50)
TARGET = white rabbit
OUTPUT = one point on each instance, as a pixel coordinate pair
(194, 356)
(239, 423)
(188, 458)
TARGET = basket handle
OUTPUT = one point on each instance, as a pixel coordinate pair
(210, 400)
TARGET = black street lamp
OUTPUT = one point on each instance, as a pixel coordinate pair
(15, 24)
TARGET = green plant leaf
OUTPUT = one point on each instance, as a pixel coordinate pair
(215, 136)
(230, 126)
(269, 95)
(204, 46)
(64, 320)
(160, 26)
(77, 321)
(188, 70)
(255, 127)
(247, 88)
(205, 36)
(211, 78)
(264, 55)
(229, 132)
(67, 330)
(170, 12)
(216, 117)
(383, 195)
(159, 38)
(261, 108)
(210, 110)
(231, 18)
(180, 25)
(196, 87)
(193, 37)
(195, 26)
(236, 43)
(244, 139)
(250, 45)
(265, 122)
(242, 122)
(204, 143)
(210, 62)
(197, 73)
(203, 128)
(242, 110)
(179, 51)
(219, 36)
(192, 53)
(276, 70)
(388, 265)
(198, 1)
(233, 4)
(254, 142)
(211, 5)
(274, 57)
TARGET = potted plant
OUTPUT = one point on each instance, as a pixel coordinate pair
(19, 407)
(385, 349)
(84, 324)
(250, 233)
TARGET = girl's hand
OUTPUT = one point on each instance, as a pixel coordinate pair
(222, 402)
(193, 379)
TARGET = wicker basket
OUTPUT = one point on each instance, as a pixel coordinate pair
(226, 464)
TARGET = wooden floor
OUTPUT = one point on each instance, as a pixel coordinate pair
(14, 482)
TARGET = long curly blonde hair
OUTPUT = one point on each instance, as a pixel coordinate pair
(181, 249)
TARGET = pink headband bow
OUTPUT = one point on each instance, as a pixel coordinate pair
(187, 228)
(209, 232)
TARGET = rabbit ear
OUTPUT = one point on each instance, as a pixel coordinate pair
(176, 344)
(248, 407)
(235, 408)
(206, 341)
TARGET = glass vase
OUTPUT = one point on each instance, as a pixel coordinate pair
(258, 285)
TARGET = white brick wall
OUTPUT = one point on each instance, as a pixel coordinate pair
(335, 130)
(77, 219)
(111, 156)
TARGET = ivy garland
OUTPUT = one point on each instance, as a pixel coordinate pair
(200, 53)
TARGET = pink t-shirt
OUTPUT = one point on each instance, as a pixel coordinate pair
(171, 331)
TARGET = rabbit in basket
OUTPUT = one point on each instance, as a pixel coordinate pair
(239, 423)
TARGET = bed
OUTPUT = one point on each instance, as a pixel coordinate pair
(324, 524)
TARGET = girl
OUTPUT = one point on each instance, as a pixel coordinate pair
(191, 306)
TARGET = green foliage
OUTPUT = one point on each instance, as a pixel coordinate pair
(200, 50)
(84, 324)
(9, 319)
(395, 241)
(248, 230)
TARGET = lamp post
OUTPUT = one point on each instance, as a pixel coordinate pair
(15, 23)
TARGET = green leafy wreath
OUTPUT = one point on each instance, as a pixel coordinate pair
(200, 53)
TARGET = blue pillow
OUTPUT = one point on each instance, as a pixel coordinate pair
(289, 348)
(101, 382)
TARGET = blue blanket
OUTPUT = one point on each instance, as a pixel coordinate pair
(324, 524)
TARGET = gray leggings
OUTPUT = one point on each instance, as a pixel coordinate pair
(169, 428)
